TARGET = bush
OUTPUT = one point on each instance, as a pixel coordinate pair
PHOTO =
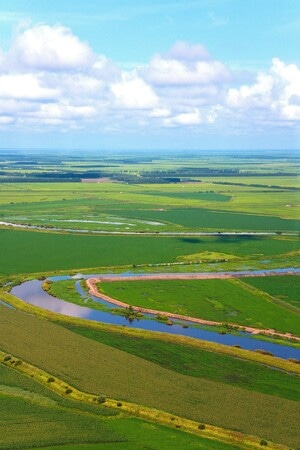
(50, 380)
(201, 426)
(7, 358)
(119, 404)
(101, 399)
(263, 442)
(68, 391)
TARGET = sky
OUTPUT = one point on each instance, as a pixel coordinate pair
(141, 74)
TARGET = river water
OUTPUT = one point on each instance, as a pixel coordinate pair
(32, 292)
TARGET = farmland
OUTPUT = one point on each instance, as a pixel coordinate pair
(114, 214)
(90, 367)
(77, 252)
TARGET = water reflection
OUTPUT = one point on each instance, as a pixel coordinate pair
(32, 292)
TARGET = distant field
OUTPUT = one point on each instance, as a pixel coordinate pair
(286, 288)
(101, 369)
(206, 219)
(28, 251)
(120, 207)
(219, 300)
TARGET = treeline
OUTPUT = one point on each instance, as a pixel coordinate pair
(256, 185)
(153, 177)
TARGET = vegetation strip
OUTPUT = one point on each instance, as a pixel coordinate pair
(93, 290)
(271, 361)
(153, 415)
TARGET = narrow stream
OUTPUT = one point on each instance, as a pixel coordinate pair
(32, 292)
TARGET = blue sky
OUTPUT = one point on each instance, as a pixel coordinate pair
(150, 74)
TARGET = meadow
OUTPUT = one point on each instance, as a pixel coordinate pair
(219, 300)
(88, 366)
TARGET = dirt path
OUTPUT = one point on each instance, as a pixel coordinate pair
(93, 290)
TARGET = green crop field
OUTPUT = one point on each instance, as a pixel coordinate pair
(219, 300)
(55, 421)
(143, 435)
(101, 369)
(200, 363)
(46, 424)
(29, 251)
(285, 288)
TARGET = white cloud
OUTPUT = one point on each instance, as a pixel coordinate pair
(25, 86)
(275, 96)
(160, 112)
(5, 120)
(173, 72)
(187, 119)
(49, 77)
(51, 48)
(134, 93)
(187, 52)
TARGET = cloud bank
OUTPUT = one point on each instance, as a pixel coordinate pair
(50, 79)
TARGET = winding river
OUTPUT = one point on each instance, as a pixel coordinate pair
(32, 292)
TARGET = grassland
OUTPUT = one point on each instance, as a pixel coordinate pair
(97, 368)
(219, 300)
(29, 251)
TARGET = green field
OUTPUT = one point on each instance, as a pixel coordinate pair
(149, 196)
(219, 300)
(31, 415)
(285, 288)
(200, 363)
(29, 251)
(101, 369)
(151, 207)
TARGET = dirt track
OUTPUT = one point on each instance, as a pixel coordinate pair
(92, 286)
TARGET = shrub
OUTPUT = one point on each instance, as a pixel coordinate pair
(264, 352)
(119, 404)
(263, 442)
(101, 399)
(201, 426)
(7, 358)
(50, 380)
(68, 391)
